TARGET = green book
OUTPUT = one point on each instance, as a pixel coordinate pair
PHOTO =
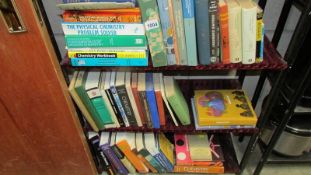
(93, 92)
(79, 87)
(176, 100)
(151, 19)
(81, 41)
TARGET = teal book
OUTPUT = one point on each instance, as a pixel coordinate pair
(189, 24)
(109, 62)
(81, 41)
(151, 19)
(180, 32)
(93, 92)
(79, 87)
(167, 31)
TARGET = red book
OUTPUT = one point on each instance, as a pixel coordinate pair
(136, 97)
(224, 30)
(160, 105)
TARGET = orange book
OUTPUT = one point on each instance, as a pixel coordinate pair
(157, 91)
(113, 15)
(224, 30)
(171, 16)
(143, 159)
(198, 169)
(136, 98)
(132, 157)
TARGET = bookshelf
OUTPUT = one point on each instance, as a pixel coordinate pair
(272, 62)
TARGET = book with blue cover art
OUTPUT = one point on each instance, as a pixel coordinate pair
(189, 24)
(152, 102)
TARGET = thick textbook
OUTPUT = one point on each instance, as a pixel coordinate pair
(141, 88)
(214, 31)
(106, 53)
(90, 28)
(202, 31)
(131, 15)
(189, 25)
(152, 102)
(151, 19)
(177, 100)
(93, 92)
(224, 107)
(109, 61)
(79, 102)
(78, 41)
(79, 87)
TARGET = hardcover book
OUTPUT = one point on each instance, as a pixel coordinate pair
(79, 102)
(93, 92)
(151, 19)
(224, 32)
(168, 31)
(152, 102)
(141, 88)
(166, 148)
(158, 94)
(224, 107)
(177, 100)
(214, 33)
(259, 35)
(131, 15)
(235, 42)
(122, 62)
(139, 105)
(199, 147)
(189, 25)
(202, 31)
(79, 87)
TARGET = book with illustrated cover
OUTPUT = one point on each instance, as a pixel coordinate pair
(131, 15)
(224, 107)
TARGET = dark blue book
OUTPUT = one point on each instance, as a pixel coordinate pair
(152, 102)
(202, 30)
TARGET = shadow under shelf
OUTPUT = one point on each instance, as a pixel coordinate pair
(272, 61)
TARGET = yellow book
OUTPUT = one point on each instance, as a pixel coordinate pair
(224, 107)
(79, 103)
(166, 147)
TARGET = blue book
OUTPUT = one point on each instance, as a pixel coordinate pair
(202, 30)
(109, 61)
(77, 1)
(167, 31)
(151, 100)
(189, 24)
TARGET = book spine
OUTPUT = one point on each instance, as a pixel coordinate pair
(148, 165)
(202, 31)
(224, 30)
(113, 159)
(152, 161)
(108, 54)
(198, 169)
(171, 16)
(151, 19)
(167, 31)
(101, 29)
(175, 103)
(249, 18)
(125, 101)
(136, 162)
(151, 100)
(115, 108)
(109, 62)
(77, 1)
(139, 105)
(77, 41)
(235, 34)
(143, 100)
(189, 25)
(168, 164)
(119, 105)
(160, 105)
(180, 32)
(84, 16)
(161, 161)
(213, 23)
(123, 159)
(259, 38)
(262, 41)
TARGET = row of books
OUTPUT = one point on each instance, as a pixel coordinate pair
(123, 99)
(129, 152)
(176, 32)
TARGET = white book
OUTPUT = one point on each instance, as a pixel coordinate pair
(113, 138)
(128, 77)
(107, 101)
(235, 42)
(162, 86)
(249, 19)
(102, 29)
(117, 99)
(92, 84)
(139, 141)
(150, 143)
(104, 138)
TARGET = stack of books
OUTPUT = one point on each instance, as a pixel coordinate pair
(125, 99)
(177, 32)
(198, 153)
(130, 152)
(222, 109)
(104, 33)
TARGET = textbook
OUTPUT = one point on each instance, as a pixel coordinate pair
(109, 62)
(152, 102)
